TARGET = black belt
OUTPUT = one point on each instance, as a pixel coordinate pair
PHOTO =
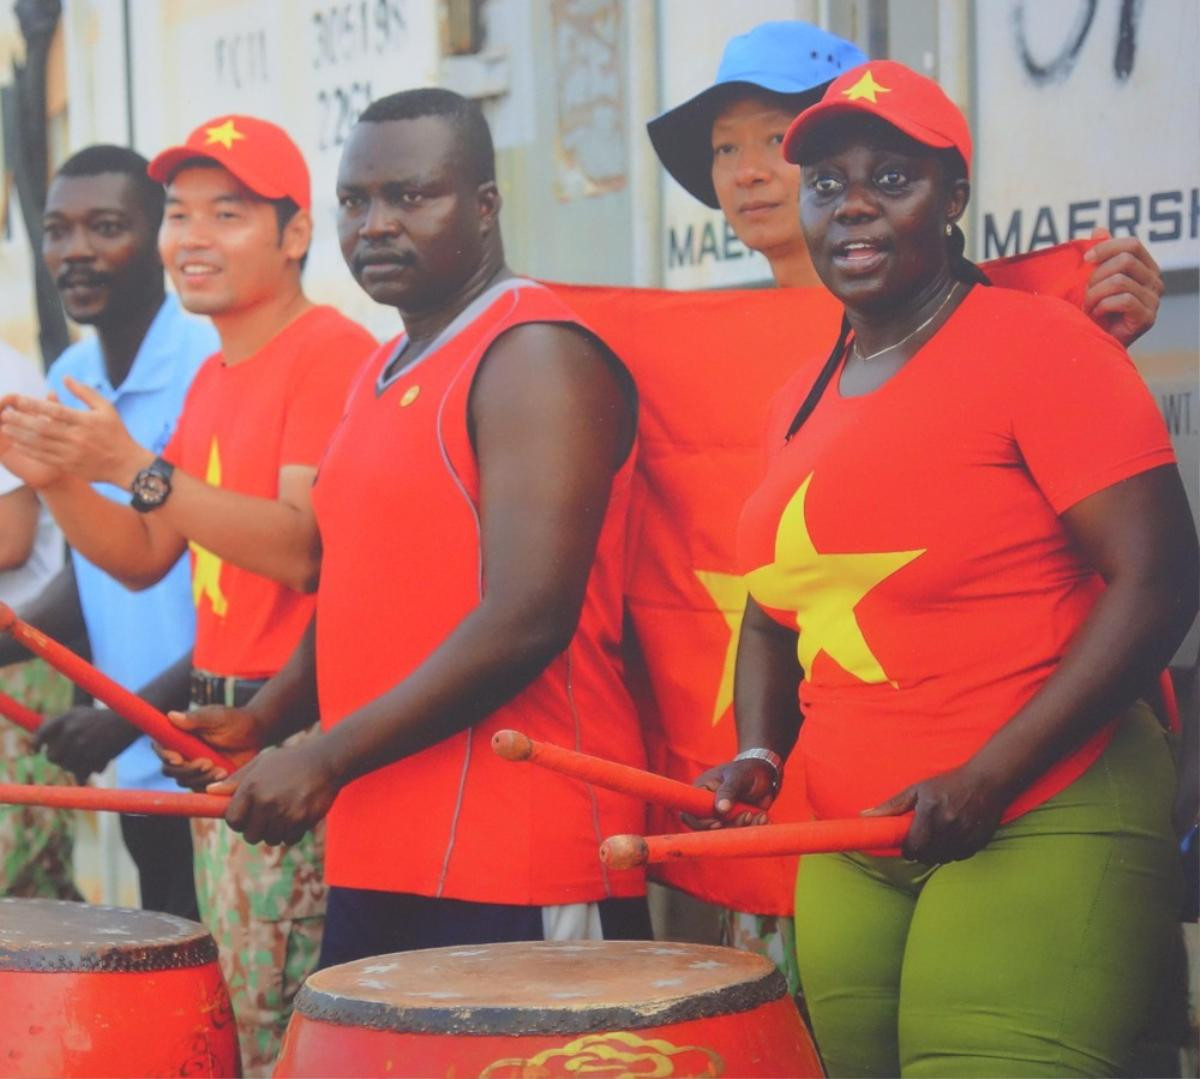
(209, 688)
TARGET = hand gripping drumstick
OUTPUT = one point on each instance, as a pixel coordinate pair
(20, 715)
(622, 778)
(130, 706)
(155, 803)
(807, 837)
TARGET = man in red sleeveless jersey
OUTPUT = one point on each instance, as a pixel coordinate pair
(235, 485)
(472, 510)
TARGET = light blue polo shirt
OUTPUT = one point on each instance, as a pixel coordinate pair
(136, 635)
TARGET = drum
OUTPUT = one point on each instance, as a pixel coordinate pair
(549, 1009)
(107, 991)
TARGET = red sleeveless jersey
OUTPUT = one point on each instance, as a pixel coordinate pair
(397, 500)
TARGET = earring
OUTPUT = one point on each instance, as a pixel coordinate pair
(949, 229)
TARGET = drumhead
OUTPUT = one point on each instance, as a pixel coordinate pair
(540, 987)
(55, 935)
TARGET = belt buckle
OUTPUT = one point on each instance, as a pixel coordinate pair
(212, 688)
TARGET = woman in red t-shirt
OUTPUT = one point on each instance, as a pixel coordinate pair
(970, 553)
(723, 145)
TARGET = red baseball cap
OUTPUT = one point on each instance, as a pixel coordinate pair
(914, 104)
(260, 154)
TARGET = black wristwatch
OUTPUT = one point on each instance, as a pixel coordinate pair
(151, 486)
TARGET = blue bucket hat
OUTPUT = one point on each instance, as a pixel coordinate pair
(794, 59)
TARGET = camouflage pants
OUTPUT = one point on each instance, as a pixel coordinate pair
(36, 844)
(265, 907)
(770, 936)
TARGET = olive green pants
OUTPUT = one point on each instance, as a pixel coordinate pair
(1036, 957)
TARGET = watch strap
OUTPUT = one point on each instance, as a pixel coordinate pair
(151, 485)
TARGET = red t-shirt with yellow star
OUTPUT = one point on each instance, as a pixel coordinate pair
(912, 535)
(241, 423)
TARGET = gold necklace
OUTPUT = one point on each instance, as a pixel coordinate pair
(908, 336)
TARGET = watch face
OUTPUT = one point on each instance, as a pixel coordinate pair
(150, 488)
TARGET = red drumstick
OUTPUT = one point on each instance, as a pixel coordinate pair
(807, 837)
(622, 778)
(1166, 686)
(140, 713)
(154, 803)
(20, 715)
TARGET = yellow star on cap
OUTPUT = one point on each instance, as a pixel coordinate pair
(867, 88)
(823, 590)
(226, 134)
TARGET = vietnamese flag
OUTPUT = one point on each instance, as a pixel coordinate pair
(707, 365)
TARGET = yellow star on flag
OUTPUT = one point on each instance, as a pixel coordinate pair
(206, 572)
(728, 592)
(226, 134)
(867, 88)
(823, 590)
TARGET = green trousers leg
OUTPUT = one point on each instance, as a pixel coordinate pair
(1038, 956)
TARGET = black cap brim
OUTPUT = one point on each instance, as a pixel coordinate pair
(682, 136)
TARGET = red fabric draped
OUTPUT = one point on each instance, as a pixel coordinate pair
(707, 365)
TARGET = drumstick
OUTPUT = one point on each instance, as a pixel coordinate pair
(1166, 686)
(622, 778)
(153, 803)
(142, 714)
(20, 715)
(806, 837)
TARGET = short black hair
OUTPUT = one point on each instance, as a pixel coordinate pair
(461, 113)
(104, 158)
(285, 208)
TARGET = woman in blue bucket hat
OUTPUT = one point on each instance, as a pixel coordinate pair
(723, 147)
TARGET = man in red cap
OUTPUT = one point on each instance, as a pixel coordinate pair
(234, 485)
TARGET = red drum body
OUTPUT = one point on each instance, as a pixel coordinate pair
(617, 1008)
(105, 991)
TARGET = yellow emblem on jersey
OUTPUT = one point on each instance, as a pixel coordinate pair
(206, 570)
